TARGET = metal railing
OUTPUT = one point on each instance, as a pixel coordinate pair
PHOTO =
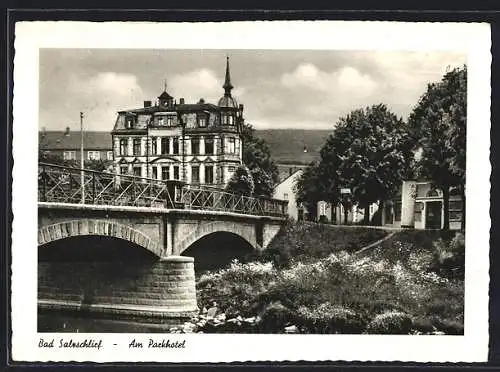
(62, 184)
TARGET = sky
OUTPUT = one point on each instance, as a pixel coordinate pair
(297, 89)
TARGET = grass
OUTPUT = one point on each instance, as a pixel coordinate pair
(306, 242)
(321, 286)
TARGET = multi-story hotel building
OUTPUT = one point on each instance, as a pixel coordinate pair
(198, 143)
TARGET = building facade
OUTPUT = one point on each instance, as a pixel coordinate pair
(285, 190)
(66, 146)
(420, 205)
(197, 143)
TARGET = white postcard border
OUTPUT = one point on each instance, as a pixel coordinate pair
(471, 38)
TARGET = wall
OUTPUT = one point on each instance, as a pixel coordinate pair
(287, 187)
(162, 288)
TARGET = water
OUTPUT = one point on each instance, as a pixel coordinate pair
(54, 321)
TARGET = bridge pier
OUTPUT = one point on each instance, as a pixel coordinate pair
(159, 291)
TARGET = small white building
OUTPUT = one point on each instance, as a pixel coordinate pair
(285, 190)
(420, 205)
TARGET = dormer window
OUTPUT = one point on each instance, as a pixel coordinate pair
(129, 123)
(202, 121)
(161, 121)
(227, 119)
(170, 121)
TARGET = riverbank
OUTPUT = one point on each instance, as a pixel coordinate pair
(311, 280)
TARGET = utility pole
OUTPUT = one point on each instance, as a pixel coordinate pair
(82, 174)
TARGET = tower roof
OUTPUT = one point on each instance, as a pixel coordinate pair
(226, 100)
(227, 82)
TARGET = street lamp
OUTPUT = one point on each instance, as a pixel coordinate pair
(82, 174)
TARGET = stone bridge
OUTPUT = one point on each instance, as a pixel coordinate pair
(162, 287)
(163, 232)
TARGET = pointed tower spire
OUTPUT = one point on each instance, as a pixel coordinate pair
(227, 83)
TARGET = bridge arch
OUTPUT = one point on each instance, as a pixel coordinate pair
(87, 227)
(246, 232)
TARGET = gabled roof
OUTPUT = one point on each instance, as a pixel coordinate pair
(58, 140)
(165, 96)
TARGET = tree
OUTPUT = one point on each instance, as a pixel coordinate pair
(308, 190)
(257, 157)
(438, 125)
(369, 152)
(241, 182)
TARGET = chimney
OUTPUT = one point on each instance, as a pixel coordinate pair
(181, 101)
(147, 104)
(66, 133)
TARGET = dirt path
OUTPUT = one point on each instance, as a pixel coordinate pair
(374, 244)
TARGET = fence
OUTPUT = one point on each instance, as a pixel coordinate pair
(62, 184)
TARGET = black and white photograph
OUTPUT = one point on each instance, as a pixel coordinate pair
(253, 191)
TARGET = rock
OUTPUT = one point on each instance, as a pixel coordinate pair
(212, 312)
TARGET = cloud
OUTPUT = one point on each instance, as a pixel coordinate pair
(345, 80)
(99, 96)
(201, 83)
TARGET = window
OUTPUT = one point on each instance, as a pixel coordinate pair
(229, 145)
(69, 155)
(176, 146)
(433, 192)
(202, 121)
(176, 172)
(209, 145)
(419, 207)
(161, 121)
(137, 146)
(195, 174)
(237, 144)
(209, 174)
(129, 123)
(170, 121)
(455, 210)
(93, 155)
(154, 146)
(155, 173)
(123, 147)
(109, 155)
(164, 145)
(137, 171)
(227, 119)
(123, 169)
(195, 146)
(165, 173)
(285, 196)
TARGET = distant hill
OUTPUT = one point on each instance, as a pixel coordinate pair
(287, 145)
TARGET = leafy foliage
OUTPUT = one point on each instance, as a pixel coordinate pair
(369, 152)
(257, 157)
(438, 125)
(241, 182)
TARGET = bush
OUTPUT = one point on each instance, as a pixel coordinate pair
(392, 322)
(449, 258)
(328, 318)
(241, 182)
(275, 317)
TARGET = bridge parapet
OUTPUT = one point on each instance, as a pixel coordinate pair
(59, 184)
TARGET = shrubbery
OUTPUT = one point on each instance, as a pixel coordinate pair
(317, 291)
(391, 322)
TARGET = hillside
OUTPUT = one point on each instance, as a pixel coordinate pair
(287, 145)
